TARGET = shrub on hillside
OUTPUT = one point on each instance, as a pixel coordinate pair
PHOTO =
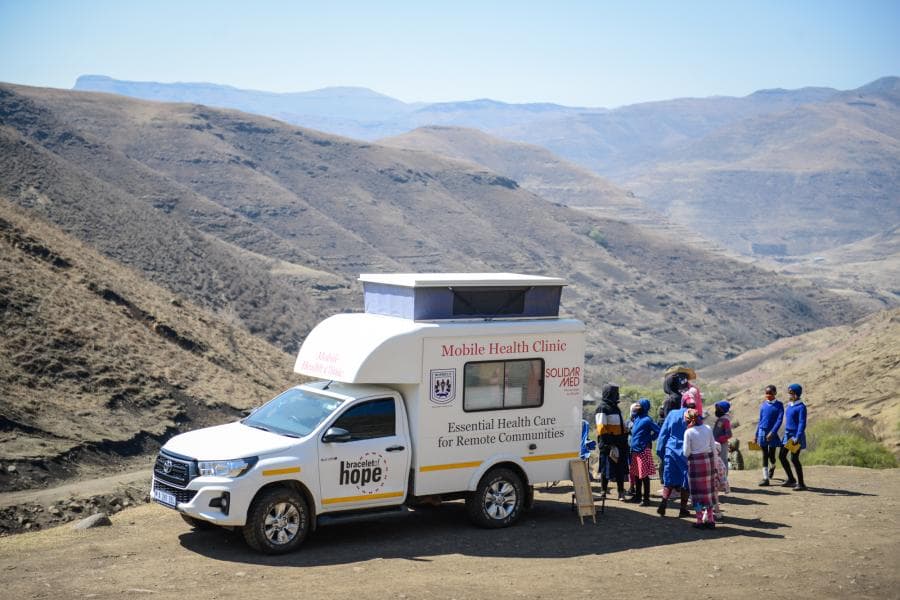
(597, 235)
(841, 442)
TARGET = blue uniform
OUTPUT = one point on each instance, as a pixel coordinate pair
(669, 448)
(643, 432)
(770, 416)
(795, 423)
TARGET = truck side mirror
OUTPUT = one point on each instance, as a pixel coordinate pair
(336, 435)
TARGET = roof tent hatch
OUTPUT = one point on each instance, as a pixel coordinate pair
(437, 296)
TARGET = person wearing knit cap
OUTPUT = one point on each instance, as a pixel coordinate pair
(771, 414)
(794, 439)
(699, 449)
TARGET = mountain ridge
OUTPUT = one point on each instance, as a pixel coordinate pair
(225, 183)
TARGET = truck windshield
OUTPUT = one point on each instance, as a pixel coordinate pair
(294, 413)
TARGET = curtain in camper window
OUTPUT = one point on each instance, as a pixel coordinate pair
(503, 384)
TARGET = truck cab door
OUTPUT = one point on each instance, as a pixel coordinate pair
(363, 456)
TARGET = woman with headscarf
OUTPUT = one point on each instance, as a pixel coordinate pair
(669, 448)
(794, 437)
(643, 432)
(612, 440)
(722, 430)
(698, 449)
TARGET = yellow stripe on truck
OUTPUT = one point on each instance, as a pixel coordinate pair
(551, 456)
(462, 465)
(285, 471)
(363, 497)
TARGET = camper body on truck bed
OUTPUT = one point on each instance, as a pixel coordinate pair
(449, 386)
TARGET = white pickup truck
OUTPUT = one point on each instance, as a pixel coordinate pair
(449, 386)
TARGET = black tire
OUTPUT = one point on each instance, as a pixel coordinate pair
(498, 500)
(278, 521)
(198, 524)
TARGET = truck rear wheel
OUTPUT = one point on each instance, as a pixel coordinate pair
(278, 521)
(498, 500)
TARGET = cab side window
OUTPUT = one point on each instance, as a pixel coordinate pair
(371, 419)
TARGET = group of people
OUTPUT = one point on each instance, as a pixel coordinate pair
(693, 457)
(771, 415)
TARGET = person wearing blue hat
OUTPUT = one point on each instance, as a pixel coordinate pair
(771, 414)
(794, 439)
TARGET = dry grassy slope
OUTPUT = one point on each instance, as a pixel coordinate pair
(173, 235)
(556, 180)
(812, 178)
(94, 359)
(658, 249)
(847, 371)
(869, 268)
(533, 167)
(183, 192)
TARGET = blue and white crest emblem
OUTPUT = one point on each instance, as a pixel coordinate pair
(443, 385)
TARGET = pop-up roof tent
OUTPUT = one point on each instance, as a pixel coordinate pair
(437, 296)
(376, 346)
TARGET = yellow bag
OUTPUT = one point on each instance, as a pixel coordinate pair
(793, 446)
(753, 445)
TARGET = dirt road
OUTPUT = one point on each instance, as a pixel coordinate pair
(840, 539)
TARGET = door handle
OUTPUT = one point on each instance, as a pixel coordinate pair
(395, 448)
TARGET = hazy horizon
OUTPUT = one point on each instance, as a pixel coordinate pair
(573, 53)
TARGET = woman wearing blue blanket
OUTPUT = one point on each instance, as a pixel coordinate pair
(670, 449)
(771, 413)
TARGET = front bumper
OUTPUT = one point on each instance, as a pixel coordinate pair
(202, 499)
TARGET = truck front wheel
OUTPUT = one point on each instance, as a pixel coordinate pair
(498, 500)
(278, 521)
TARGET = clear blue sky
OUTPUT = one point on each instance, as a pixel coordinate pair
(600, 53)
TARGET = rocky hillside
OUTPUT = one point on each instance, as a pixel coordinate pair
(851, 371)
(97, 364)
(822, 162)
(270, 224)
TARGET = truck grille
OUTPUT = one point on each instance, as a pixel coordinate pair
(174, 470)
(181, 496)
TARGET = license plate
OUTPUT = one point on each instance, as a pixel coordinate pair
(164, 498)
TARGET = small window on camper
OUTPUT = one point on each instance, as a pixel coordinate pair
(480, 302)
(372, 419)
(503, 384)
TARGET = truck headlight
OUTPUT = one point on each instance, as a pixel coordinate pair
(226, 468)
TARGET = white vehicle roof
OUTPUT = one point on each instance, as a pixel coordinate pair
(370, 348)
(418, 280)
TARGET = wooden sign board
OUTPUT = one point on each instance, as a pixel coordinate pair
(584, 497)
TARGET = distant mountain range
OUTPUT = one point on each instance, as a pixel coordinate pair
(823, 161)
(269, 224)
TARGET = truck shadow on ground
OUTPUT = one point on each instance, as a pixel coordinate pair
(550, 530)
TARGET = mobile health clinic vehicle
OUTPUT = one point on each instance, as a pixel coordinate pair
(448, 386)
